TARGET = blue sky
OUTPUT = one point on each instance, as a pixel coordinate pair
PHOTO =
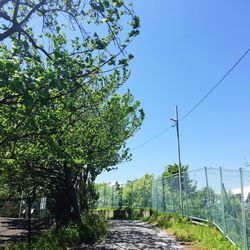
(184, 48)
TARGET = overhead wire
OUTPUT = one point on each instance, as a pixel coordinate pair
(198, 103)
(215, 86)
(152, 138)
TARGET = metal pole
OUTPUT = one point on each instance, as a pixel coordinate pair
(20, 207)
(104, 194)
(222, 204)
(121, 196)
(29, 221)
(176, 120)
(163, 194)
(244, 226)
(112, 197)
(144, 198)
(132, 194)
(156, 188)
(151, 192)
(208, 196)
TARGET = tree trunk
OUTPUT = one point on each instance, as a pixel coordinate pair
(62, 208)
(84, 191)
(72, 197)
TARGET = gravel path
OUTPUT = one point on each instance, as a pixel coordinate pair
(135, 235)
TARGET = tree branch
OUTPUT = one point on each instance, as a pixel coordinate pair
(35, 8)
(34, 43)
(16, 11)
(14, 28)
(3, 2)
(4, 15)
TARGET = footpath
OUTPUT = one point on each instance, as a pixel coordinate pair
(135, 235)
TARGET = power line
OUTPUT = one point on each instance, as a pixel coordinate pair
(216, 85)
(152, 138)
(198, 104)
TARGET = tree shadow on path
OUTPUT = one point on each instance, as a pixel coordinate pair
(135, 235)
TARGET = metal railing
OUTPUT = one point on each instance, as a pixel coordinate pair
(216, 195)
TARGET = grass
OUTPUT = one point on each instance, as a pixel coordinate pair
(200, 237)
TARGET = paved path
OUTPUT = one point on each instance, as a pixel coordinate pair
(135, 235)
(12, 230)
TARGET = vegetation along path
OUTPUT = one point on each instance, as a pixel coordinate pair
(136, 235)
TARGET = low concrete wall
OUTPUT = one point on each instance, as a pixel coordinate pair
(124, 213)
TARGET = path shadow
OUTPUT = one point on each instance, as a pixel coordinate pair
(135, 235)
(14, 230)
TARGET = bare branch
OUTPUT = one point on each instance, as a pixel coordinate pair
(16, 11)
(34, 43)
(14, 28)
(34, 9)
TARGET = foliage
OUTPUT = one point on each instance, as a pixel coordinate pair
(17, 18)
(133, 194)
(62, 122)
(137, 193)
(94, 226)
(68, 236)
(173, 169)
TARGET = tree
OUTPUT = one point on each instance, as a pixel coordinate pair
(138, 193)
(51, 15)
(173, 169)
(169, 186)
(171, 176)
(95, 38)
(61, 122)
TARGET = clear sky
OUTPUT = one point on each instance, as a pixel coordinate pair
(184, 48)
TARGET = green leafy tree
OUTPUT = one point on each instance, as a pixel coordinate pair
(138, 193)
(61, 122)
(168, 187)
(173, 169)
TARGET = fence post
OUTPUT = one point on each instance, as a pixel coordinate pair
(112, 197)
(144, 193)
(184, 195)
(163, 194)
(152, 196)
(20, 207)
(156, 192)
(29, 221)
(104, 195)
(222, 204)
(208, 197)
(121, 196)
(244, 226)
(132, 193)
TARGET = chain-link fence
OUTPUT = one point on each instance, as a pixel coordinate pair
(215, 195)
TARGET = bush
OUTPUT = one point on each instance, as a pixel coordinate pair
(94, 226)
(69, 236)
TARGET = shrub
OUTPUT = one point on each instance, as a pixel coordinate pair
(94, 226)
(69, 236)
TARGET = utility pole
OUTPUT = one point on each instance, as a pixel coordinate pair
(176, 121)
